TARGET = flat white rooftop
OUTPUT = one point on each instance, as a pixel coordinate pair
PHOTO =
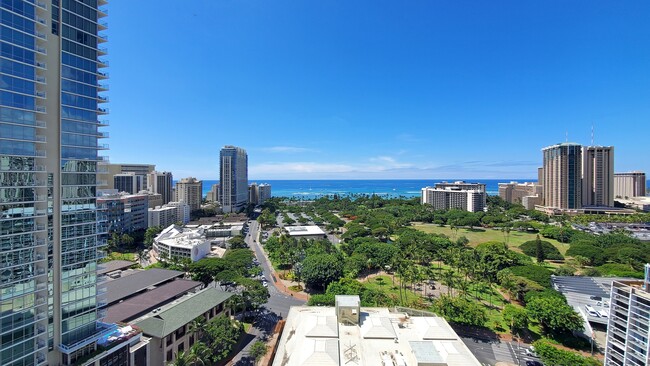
(304, 230)
(313, 336)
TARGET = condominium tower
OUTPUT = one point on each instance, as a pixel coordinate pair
(233, 177)
(162, 183)
(598, 176)
(470, 197)
(628, 329)
(628, 185)
(190, 191)
(51, 232)
(562, 173)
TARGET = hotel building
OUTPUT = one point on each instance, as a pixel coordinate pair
(628, 185)
(562, 169)
(598, 176)
(190, 191)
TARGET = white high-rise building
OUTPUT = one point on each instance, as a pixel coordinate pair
(628, 329)
(233, 179)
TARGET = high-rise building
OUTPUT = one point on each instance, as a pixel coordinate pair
(233, 177)
(161, 182)
(124, 212)
(628, 328)
(628, 185)
(264, 193)
(128, 182)
(598, 176)
(453, 197)
(51, 232)
(107, 171)
(213, 194)
(190, 191)
(526, 194)
(562, 171)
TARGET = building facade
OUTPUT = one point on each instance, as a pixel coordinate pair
(628, 330)
(628, 185)
(161, 183)
(107, 171)
(179, 242)
(213, 194)
(125, 213)
(171, 213)
(470, 197)
(562, 170)
(169, 327)
(190, 191)
(515, 192)
(128, 182)
(598, 176)
(233, 178)
(51, 233)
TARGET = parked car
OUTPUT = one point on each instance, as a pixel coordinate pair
(597, 298)
(534, 363)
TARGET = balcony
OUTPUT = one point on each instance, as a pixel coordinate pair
(102, 147)
(40, 65)
(40, 153)
(103, 329)
(102, 99)
(40, 94)
(102, 51)
(40, 124)
(102, 63)
(103, 123)
(40, 109)
(102, 75)
(102, 87)
(102, 38)
(102, 13)
(40, 138)
(102, 110)
(102, 26)
(40, 50)
(102, 135)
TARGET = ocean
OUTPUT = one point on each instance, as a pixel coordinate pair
(311, 189)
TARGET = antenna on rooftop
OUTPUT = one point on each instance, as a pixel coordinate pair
(592, 135)
(566, 136)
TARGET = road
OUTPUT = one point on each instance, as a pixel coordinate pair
(276, 308)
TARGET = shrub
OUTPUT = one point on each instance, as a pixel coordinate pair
(552, 355)
(550, 251)
(618, 270)
(536, 273)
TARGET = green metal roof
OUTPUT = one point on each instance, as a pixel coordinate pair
(175, 315)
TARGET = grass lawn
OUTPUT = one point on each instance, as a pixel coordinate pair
(388, 288)
(127, 256)
(481, 235)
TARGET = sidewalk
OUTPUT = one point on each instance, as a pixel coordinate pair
(277, 281)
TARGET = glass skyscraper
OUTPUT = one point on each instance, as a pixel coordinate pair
(51, 232)
(233, 178)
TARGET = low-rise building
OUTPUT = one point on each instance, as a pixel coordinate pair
(178, 242)
(123, 345)
(124, 213)
(348, 334)
(637, 203)
(307, 232)
(169, 327)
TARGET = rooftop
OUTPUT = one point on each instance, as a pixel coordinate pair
(124, 287)
(112, 266)
(180, 312)
(304, 230)
(313, 336)
(132, 308)
(178, 236)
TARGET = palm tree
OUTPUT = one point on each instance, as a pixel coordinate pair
(200, 354)
(448, 278)
(198, 326)
(182, 359)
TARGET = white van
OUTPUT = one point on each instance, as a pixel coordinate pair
(591, 311)
(603, 313)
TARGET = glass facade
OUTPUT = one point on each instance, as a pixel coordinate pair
(50, 230)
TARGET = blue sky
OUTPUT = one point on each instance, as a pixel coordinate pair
(376, 89)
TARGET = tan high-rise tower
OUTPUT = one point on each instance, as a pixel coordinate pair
(562, 172)
(598, 176)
